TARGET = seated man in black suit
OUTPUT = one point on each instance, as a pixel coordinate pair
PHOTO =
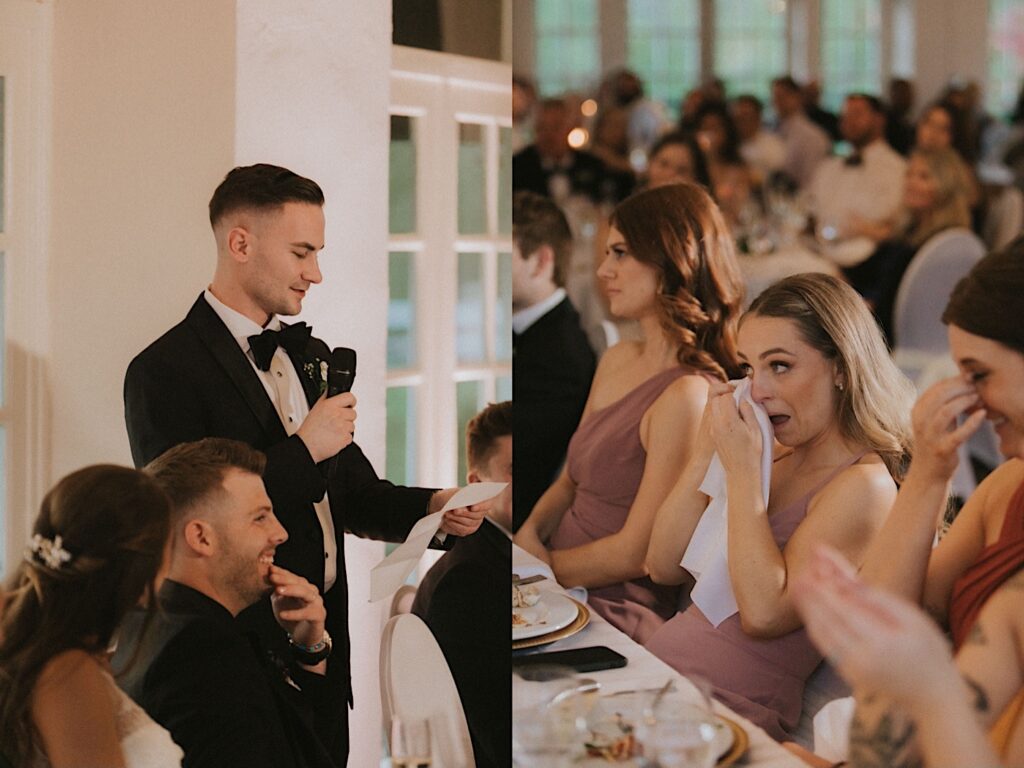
(224, 697)
(552, 362)
(552, 168)
(464, 597)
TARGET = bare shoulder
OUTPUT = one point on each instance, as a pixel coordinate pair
(687, 390)
(618, 357)
(866, 484)
(72, 675)
(1001, 483)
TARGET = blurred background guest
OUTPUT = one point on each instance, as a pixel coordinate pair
(670, 265)
(677, 157)
(807, 144)
(731, 178)
(837, 405)
(763, 150)
(934, 200)
(817, 114)
(552, 361)
(899, 128)
(98, 549)
(524, 99)
(470, 575)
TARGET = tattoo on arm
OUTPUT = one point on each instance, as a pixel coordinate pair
(980, 697)
(976, 636)
(888, 743)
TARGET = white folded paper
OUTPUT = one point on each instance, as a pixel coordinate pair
(707, 555)
(391, 572)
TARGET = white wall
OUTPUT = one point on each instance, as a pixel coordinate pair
(143, 131)
(951, 39)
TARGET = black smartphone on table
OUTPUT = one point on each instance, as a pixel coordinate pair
(591, 659)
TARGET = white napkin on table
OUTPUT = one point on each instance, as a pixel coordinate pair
(706, 556)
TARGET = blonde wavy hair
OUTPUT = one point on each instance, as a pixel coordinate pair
(953, 185)
(678, 230)
(874, 404)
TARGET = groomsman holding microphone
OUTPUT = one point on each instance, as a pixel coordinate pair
(232, 369)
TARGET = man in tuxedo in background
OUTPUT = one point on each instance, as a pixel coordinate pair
(232, 369)
(552, 362)
(225, 699)
(464, 600)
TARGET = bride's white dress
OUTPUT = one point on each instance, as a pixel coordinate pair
(145, 743)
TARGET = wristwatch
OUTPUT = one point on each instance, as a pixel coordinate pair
(311, 655)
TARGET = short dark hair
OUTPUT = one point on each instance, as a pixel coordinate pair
(537, 221)
(750, 99)
(261, 187)
(989, 300)
(872, 101)
(191, 472)
(484, 429)
(787, 82)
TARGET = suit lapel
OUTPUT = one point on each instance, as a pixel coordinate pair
(225, 350)
(307, 366)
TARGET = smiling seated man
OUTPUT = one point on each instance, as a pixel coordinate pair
(464, 596)
(226, 699)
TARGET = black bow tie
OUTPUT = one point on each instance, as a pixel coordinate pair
(855, 158)
(292, 337)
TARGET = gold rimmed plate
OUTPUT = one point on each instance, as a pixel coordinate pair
(581, 620)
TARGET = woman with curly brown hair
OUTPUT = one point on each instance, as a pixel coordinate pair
(670, 265)
(98, 547)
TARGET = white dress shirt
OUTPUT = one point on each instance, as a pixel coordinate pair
(284, 388)
(872, 190)
(524, 318)
(765, 153)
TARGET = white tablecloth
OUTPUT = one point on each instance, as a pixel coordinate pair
(642, 671)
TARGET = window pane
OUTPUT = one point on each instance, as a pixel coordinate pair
(402, 175)
(567, 38)
(851, 33)
(504, 181)
(401, 310)
(1005, 55)
(750, 44)
(663, 47)
(503, 387)
(470, 311)
(469, 398)
(401, 435)
(503, 313)
(472, 197)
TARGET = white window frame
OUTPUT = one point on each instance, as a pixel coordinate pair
(441, 90)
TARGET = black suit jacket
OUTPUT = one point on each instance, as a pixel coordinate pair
(463, 599)
(587, 176)
(552, 367)
(195, 382)
(225, 700)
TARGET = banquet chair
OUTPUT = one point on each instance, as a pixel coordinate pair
(921, 343)
(1004, 219)
(416, 684)
(403, 600)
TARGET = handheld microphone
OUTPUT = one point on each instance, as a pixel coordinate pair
(341, 371)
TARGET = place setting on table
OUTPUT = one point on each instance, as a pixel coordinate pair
(577, 702)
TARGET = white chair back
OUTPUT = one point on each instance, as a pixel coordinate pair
(402, 600)
(416, 684)
(1005, 218)
(925, 288)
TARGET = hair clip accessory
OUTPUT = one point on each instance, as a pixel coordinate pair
(51, 553)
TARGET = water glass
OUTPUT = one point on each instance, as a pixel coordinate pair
(681, 737)
(410, 742)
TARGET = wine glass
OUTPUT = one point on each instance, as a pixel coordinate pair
(410, 742)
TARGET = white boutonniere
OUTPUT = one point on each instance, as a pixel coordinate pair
(316, 371)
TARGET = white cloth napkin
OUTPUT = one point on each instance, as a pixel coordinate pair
(832, 729)
(706, 556)
(391, 572)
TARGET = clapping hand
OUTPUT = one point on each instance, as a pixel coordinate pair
(298, 606)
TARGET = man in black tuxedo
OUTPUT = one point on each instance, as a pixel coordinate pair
(552, 362)
(225, 698)
(232, 369)
(463, 597)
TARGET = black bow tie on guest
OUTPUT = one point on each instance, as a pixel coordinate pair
(855, 158)
(292, 337)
